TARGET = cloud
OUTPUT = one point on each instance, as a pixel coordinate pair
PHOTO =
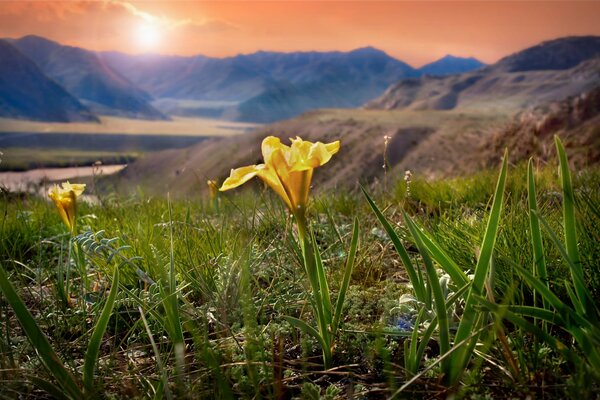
(203, 26)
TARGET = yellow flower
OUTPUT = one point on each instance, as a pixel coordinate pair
(212, 187)
(287, 169)
(65, 199)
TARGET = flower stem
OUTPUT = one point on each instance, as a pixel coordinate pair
(310, 266)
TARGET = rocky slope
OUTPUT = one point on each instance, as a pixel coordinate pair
(548, 72)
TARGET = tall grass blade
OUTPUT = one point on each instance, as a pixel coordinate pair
(39, 341)
(505, 313)
(539, 261)
(91, 355)
(159, 363)
(323, 285)
(415, 280)
(584, 300)
(309, 330)
(569, 225)
(470, 314)
(446, 263)
(569, 316)
(438, 295)
(48, 387)
(339, 304)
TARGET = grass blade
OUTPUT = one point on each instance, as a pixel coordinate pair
(309, 330)
(446, 263)
(584, 297)
(469, 317)
(504, 313)
(539, 261)
(438, 295)
(417, 283)
(569, 224)
(339, 304)
(323, 285)
(38, 340)
(91, 356)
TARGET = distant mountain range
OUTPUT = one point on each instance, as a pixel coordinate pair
(258, 87)
(547, 72)
(83, 74)
(437, 126)
(26, 92)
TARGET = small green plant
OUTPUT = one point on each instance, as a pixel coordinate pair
(581, 318)
(68, 386)
(455, 353)
(288, 171)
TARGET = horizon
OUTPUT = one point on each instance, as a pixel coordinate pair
(255, 52)
(486, 31)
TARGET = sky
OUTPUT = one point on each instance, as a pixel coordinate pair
(416, 32)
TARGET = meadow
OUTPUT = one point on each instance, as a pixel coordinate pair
(483, 286)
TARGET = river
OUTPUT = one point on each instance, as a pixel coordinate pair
(34, 179)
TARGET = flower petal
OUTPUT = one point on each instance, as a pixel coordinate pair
(271, 178)
(271, 145)
(239, 176)
(77, 188)
(311, 155)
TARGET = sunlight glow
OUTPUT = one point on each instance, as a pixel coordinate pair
(147, 36)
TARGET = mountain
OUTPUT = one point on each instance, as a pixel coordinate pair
(450, 65)
(25, 92)
(83, 74)
(558, 54)
(435, 127)
(263, 86)
(531, 77)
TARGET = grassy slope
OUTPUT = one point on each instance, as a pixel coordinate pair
(427, 142)
(239, 325)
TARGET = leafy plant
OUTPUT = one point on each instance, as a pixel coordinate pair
(428, 290)
(581, 318)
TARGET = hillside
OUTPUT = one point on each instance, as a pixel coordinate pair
(26, 93)
(433, 131)
(575, 119)
(528, 78)
(425, 142)
(83, 75)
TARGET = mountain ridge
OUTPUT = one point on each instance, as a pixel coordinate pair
(85, 76)
(436, 127)
(26, 93)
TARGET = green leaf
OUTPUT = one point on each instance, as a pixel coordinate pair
(569, 225)
(39, 341)
(504, 313)
(438, 295)
(539, 261)
(309, 330)
(91, 356)
(470, 314)
(323, 285)
(417, 283)
(339, 304)
(583, 302)
(446, 263)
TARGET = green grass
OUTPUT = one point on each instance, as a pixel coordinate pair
(203, 293)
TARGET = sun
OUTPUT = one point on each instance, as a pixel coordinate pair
(147, 36)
